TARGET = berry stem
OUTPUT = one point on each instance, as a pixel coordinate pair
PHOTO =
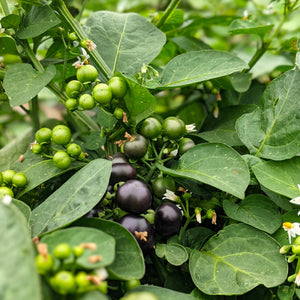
(169, 10)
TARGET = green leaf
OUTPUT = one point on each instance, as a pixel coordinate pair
(92, 295)
(18, 276)
(236, 260)
(75, 236)
(173, 21)
(7, 45)
(95, 141)
(106, 119)
(38, 21)
(222, 129)
(189, 43)
(139, 102)
(73, 199)
(268, 132)
(127, 249)
(162, 293)
(285, 292)
(255, 210)
(248, 27)
(10, 154)
(195, 237)
(23, 208)
(215, 164)
(241, 81)
(175, 254)
(10, 21)
(197, 66)
(281, 177)
(39, 170)
(125, 41)
(22, 82)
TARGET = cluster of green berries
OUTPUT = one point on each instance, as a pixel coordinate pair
(10, 181)
(63, 276)
(47, 140)
(86, 92)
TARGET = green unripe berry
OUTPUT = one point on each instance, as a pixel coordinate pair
(102, 93)
(82, 281)
(118, 113)
(74, 149)
(71, 104)
(61, 135)
(81, 156)
(5, 191)
(118, 87)
(19, 179)
(86, 101)
(43, 135)
(103, 287)
(62, 251)
(87, 73)
(296, 249)
(184, 145)
(78, 251)
(44, 263)
(7, 176)
(61, 159)
(173, 128)
(36, 148)
(64, 282)
(73, 88)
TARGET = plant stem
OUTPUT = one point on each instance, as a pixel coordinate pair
(183, 229)
(5, 7)
(169, 10)
(34, 111)
(60, 6)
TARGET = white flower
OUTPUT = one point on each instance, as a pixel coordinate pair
(190, 128)
(292, 229)
(297, 280)
(198, 216)
(170, 195)
(102, 273)
(245, 15)
(91, 45)
(173, 153)
(6, 199)
(81, 59)
(1, 29)
(75, 43)
(295, 201)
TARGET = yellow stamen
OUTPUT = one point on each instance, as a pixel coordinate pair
(287, 225)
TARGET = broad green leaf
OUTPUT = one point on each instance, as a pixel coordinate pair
(127, 249)
(106, 119)
(139, 102)
(125, 41)
(174, 20)
(189, 43)
(75, 236)
(10, 21)
(197, 66)
(195, 237)
(248, 27)
(18, 275)
(73, 199)
(236, 260)
(38, 21)
(23, 208)
(241, 81)
(279, 200)
(94, 141)
(39, 170)
(22, 82)
(273, 131)
(255, 210)
(281, 177)
(215, 164)
(175, 254)
(92, 295)
(286, 292)
(162, 293)
(222, 129)
(7, 45)
(10, 154)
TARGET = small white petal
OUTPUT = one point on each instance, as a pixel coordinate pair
(75, 43)
(170, 195)
(174, 152)
(295, 201)
(102, 273)
(190, 128)
(297, 280)
(7, 199)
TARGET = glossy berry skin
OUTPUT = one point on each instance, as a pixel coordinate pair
(168, 219)
(61, 135)
(161, 184)
(173, 128)
(64, 282)
(151, 128)
(138, 225)
(43, 135)
(184, 145)
(86, 101)
(61, 160)
(71, 104)
(44, 263)
(19, 180)
(73, 149)
(118, 87)
(87, 73)
(136, 148)
(7, 176)
(73, 88)
(5, 191)
(121, 172)
(62, 251)
(134, 196)
(119, 158)
(102, 93)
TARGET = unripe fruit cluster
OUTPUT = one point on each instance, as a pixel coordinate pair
(86, 92)
(11, 180)
(60, 135)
